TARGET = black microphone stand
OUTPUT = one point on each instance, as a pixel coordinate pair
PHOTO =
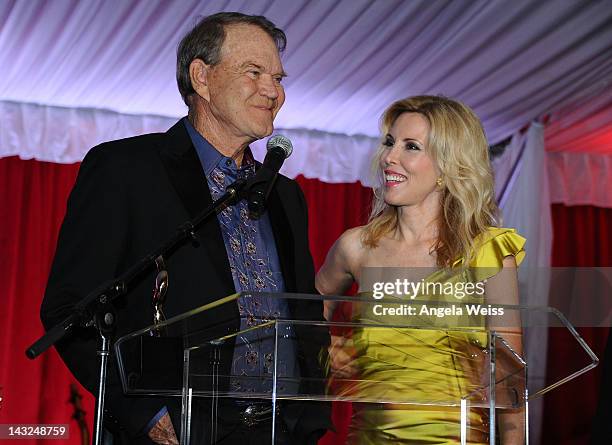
(96, 308)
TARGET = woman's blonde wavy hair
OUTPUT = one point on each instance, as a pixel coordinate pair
(458, 146)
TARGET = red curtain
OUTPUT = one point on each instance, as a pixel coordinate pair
(581, 237)
(33, 197)
(333, 208)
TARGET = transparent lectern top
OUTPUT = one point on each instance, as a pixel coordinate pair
(384, 350)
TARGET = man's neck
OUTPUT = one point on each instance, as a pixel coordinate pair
(225, 145)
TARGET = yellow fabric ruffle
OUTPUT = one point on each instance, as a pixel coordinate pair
(497, 244)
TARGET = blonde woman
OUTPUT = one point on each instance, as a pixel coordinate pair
(434, 208)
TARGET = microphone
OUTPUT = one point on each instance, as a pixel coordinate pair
(279, 148)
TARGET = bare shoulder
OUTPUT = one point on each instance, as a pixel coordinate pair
(350, 245)
(342, 262)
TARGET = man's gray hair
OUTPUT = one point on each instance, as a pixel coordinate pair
(206, 38)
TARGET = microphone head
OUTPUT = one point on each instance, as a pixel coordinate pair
(281, 142)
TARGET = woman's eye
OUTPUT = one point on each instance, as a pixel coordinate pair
(388, 143)
(412, 146)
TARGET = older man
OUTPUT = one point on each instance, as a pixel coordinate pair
(131, 195)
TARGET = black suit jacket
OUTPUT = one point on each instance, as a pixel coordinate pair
(130, 196)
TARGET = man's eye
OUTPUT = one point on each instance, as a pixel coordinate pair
(278, 79)
(254, 73)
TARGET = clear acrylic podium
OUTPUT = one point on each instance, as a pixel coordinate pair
(408, 359)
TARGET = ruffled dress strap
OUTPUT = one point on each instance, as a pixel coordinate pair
(496, 244)
(491, 248)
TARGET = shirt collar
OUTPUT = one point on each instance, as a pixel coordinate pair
(210, 157)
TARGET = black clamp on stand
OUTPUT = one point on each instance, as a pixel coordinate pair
(97, 308)
(105, 321)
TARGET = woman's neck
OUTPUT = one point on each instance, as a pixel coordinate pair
(418, 223)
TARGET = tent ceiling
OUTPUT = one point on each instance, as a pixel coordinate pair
(347, 60)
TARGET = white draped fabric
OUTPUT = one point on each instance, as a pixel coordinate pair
(580, 178)
(347, 60)
(522, 186)
(63, 135)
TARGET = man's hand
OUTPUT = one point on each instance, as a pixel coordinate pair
(163, 432)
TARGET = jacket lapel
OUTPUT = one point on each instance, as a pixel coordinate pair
(186, 175)
(283, 235)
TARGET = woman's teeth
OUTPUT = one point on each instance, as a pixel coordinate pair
(395, 178)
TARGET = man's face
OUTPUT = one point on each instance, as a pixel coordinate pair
(245, 86)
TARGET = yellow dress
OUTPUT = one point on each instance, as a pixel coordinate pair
(432, 365)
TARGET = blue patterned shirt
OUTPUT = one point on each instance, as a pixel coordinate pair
(255, 266)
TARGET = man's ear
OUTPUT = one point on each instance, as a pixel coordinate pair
(198, 73)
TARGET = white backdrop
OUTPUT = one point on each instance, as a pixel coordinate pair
(347, 60)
